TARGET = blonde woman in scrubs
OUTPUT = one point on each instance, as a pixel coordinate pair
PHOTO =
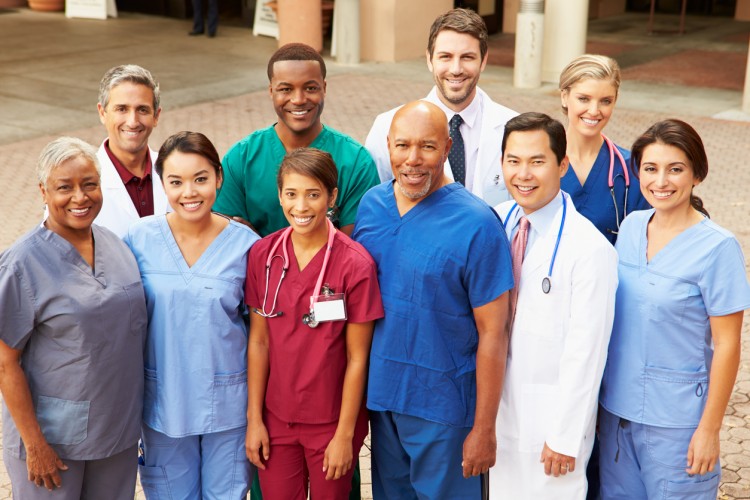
(675, 346)
(314, 297)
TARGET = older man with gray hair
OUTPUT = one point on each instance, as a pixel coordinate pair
(129, 110)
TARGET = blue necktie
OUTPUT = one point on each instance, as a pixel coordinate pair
(457, 157)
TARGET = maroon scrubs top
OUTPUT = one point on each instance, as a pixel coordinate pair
(307, 365)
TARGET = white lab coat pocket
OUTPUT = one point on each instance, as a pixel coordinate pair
(534, 416)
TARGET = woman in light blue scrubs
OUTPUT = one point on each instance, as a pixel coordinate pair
(193, 264)
(675, 347)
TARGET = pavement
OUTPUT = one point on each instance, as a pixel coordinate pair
(50, 67)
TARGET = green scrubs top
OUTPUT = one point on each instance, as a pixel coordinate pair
(251, 165)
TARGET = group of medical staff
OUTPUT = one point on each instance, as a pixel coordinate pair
(255, 351)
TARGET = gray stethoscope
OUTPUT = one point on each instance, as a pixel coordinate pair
(546, 283)
(613, 151)
(309, 318)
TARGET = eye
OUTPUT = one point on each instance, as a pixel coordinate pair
(289, 194)
(175, 182)
(312, 88)
(676, 170)
(144, 110)
(283, 90)
(583, 99)
(201, 180)
(429, 147)
(90, 186)
(314, 196)
(119, 108)
(648, 168)
(63, 187)
(607, 102)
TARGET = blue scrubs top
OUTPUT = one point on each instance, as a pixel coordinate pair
(196, 350)
(443, 258)
(593, 200)
(660, 352)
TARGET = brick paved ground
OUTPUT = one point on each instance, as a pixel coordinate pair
(37, 104)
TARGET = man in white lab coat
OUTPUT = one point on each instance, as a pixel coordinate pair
(456, 56)
(129, 110)
(566, 278)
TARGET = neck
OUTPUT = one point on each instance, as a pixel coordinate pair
(677, 219)
(457, 107)
(311, 242)
(75, 237)
(581, 146)
(189, 229)
(292, 140)
(135, 163)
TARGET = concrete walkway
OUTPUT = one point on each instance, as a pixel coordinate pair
(50, 68)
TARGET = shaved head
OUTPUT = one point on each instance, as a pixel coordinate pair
(418, 144)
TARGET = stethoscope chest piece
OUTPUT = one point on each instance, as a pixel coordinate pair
(309, 320)
(546, 285)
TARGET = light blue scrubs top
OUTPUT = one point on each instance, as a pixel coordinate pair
(445, 257)
(593, 200)
(196, 349)
(660, 352)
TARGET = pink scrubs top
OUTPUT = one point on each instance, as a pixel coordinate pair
(307, 365)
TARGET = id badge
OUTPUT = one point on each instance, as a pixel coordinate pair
(329, 307)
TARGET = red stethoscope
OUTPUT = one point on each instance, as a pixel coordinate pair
(309, 318)
(613, 151)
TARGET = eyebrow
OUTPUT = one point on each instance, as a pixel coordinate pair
(200, 172)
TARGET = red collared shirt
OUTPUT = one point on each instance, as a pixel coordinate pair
(140, 189)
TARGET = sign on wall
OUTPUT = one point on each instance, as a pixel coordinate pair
(265, 22)
(90, 9)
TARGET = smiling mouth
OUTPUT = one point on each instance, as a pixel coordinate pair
(589, 121)
(302, 220)
(192, 205)
(298, 112)
(525, 189)
(662, 195)
(79, 212)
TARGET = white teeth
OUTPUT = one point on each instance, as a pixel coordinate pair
(194, 204)
(589, 121)
(302, 220)
(299, 113)
(525, 189)
(661, 194)
(79, 211)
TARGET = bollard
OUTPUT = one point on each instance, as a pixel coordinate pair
(527, 68)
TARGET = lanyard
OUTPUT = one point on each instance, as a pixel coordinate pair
(546, 283)
(282, 241)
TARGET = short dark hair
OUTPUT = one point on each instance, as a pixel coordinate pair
(682, 136)
(461, 21)
(310, 162)
(188, 142)
(296, 52)
(528, 122)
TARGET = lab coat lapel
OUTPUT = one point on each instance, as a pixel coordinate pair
(488, 168)
(113, 189)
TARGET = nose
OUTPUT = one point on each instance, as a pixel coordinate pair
(413, 157)
(524, 172)
(79, 195)
(593, 107)
(298, 96)
(188, 189)
(661, 178)
(132, 118)
(455, 66)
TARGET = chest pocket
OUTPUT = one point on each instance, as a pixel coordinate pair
(420, 276)
(666, 298)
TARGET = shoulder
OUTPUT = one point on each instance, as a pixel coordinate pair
(589, 240)
(354, 251)
(495, 109)
(383, 120)
(243, 233)
(504, 208)
(263, 246)
(250, 142)
(15, 255)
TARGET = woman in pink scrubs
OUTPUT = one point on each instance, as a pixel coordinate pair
(314, 297)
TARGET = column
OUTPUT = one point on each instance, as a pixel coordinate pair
(565, 30)
(301, 21)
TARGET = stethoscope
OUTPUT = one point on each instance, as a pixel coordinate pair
(546, 283)
(613, 151)
(309, 318)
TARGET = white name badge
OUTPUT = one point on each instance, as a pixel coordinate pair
(329, 307)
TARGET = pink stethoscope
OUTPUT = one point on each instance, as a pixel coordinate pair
(309, 318)
(613, 151)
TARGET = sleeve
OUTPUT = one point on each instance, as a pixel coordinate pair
(254, 264)
(377, 144)
(584, 352)
(489, 272)
(723, 282)
(231, 198)
(16, 309)
(363, 300)
(363, 176)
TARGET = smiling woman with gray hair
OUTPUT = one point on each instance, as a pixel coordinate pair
(71, 342)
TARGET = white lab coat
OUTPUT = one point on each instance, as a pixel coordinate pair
(488, 177)
(556, 359)
(118, 211)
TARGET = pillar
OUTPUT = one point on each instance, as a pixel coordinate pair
(301, 21)
(746, 94)
(346, 31)
(527, 69)
(565, 32)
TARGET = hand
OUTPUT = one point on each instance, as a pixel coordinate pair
(556, 464)
(257, 444)
(43, 466)
(338, 458)
(480, 450)
(702, 452)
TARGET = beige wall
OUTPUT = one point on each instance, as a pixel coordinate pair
(510, 9)
(395, 30)
(742, 11)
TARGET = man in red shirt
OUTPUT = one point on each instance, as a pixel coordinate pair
(129, 110)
